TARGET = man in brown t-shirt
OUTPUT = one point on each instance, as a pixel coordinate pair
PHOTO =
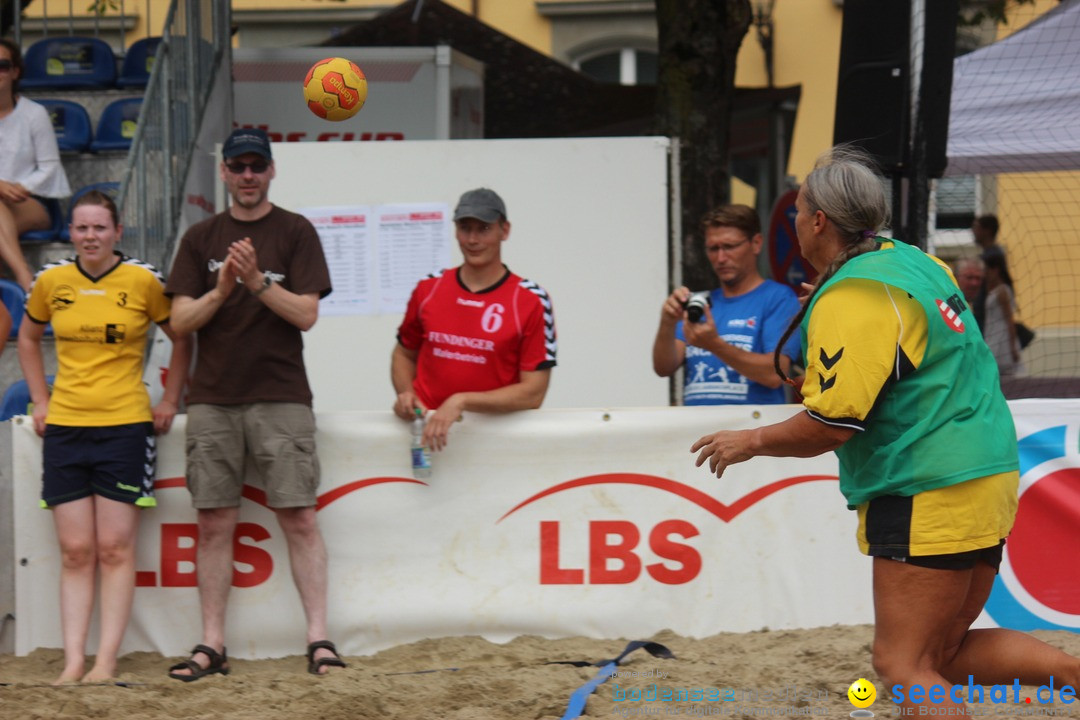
(248, 282)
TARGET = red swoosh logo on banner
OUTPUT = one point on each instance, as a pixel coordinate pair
(725, 512)
(258, 496)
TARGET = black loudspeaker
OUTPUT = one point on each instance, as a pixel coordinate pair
(873, 87)
(936, 91)
(873, 96)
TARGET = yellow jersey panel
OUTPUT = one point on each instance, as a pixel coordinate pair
(100, 326)
(862, 335)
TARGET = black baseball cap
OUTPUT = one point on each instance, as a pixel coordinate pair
(246, 140)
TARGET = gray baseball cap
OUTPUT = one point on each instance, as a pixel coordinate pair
(482, 204)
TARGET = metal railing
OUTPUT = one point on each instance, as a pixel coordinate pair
(195, 41)
(115, 14)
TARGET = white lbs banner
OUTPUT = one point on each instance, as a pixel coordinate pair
(589, 522)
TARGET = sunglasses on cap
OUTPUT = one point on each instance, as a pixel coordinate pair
(237, 168)
(6, 64)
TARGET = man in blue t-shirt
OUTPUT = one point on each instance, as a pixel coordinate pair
(728, 353)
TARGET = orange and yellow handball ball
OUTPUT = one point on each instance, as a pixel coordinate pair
(335, 89)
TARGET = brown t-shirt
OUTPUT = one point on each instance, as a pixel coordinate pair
(247, 353)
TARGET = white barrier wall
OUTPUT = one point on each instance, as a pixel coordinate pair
(589, 223)
(552, 522)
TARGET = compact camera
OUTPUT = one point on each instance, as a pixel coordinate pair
(695, 305)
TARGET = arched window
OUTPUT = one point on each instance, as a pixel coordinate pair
(626, 66)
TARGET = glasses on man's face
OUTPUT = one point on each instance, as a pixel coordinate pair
(6, 65)
(237, 168)
(726, 247)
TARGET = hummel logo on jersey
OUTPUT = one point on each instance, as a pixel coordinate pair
(470, 303)
(826, 383)
(957, 303)
(114, 333)
(827, 361)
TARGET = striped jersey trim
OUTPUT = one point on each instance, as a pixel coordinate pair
(550, 345)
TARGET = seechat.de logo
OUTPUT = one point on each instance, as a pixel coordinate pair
(862, 694)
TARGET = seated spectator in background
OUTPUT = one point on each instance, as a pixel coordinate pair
(476, 337)
(970, 274)
(985, 229)
(999, 327)
(30, 166)
(730, 355)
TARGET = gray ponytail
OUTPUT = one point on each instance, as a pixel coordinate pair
(844, 186)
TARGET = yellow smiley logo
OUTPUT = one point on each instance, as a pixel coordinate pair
(862, 693)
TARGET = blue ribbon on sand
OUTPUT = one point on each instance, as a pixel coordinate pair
(576, 706)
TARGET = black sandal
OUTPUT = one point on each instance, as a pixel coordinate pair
(315, 665)
(219, 663)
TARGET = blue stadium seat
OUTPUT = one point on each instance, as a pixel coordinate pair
(112, 189)
(117, 125)
(71, 123)
(56, 222)
(16, 399)
(138, 62)
(15, 301)
(69, 61)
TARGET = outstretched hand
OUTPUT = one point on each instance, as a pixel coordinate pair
(722, 449)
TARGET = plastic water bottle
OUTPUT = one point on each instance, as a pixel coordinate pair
(421, 456)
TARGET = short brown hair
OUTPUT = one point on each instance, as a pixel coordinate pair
(741, 217)
(99, 199)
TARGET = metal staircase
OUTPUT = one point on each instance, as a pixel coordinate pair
(194, 55)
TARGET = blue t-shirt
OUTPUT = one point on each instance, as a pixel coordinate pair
(754, 322)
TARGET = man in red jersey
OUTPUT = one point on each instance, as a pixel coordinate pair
(476, 337)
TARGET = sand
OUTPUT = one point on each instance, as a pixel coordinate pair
(805, 670)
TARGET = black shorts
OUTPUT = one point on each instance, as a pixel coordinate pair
(957, 561)
(116, 461)
(949, 528)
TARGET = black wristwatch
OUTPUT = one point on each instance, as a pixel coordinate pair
(266, 283)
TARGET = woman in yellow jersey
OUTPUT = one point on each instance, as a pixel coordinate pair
(901, 385)
(98, 426)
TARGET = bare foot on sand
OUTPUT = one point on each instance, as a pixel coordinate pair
(70, 676)
(99, 674)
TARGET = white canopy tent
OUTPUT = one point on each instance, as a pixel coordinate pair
(1016, 103)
